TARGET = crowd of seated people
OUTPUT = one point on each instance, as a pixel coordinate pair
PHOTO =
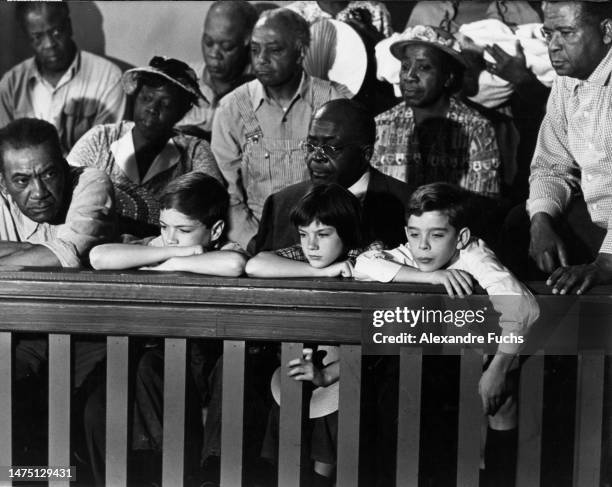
(248, 164)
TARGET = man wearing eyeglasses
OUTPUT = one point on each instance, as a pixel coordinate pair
(258, 127)
(338, 150)
(67, 87)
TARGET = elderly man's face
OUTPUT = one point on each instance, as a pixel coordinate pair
(274, 55)
(422, 77)
(334, 154)
(50, 35)
(224, 48)
(576, 45)
(35, 181)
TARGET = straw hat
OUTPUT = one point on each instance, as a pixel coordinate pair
(428, 36)
(175, 71)
(324, 400)
(336, 53)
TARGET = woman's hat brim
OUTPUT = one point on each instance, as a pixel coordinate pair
(397, 49)
(129, 81)
(324, 400)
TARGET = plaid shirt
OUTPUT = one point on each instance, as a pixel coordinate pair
(574, 150)
(463, 149)
(295, 252)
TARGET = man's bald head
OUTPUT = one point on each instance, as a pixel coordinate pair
(340, 141)
(356, 121)
(225, 40)
(239, 13)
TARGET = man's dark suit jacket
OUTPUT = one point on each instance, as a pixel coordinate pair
(383, 212)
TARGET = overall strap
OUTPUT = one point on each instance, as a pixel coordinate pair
(245, 106)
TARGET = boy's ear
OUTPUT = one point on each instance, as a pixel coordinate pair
(216, 230)
(406, 232)
(463, 238)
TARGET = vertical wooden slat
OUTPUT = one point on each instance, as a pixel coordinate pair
(232, 413)
(6, 429)
(409, 416)
(348, 416)
(59, 402)
(116, 410)
(175, 353)
(470, 419)
(531, 398)
(291, 461)
(589, 411)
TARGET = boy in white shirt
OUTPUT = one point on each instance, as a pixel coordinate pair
(441, 250)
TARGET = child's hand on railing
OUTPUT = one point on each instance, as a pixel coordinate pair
(188, 250)
(456, 281)
(304, 369)
(339, 269)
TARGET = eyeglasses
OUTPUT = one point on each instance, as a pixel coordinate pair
(328, 151)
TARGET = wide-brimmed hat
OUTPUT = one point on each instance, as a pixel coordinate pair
(429, 36)
(324, 400)
(175, 71)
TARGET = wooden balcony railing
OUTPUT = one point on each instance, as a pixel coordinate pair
(120, 305)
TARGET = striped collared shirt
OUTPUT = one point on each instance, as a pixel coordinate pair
(574, 150)
(89, 93)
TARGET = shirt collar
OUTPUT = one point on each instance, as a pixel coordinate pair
(601, 75)
(35, 74)
(124, 154)
(206, 85)
(26, 227)
(360, 187)
(259, 94)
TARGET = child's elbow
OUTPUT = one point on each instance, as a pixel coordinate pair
(254, 267)
(96, 258)
(236, 266)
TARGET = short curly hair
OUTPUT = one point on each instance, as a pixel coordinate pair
(293, 22)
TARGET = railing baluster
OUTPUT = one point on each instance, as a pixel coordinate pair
(409, 416)
(292, 461)
(470, 419)
(232, 415)
(6, 427)
(175, 353)
(116, 410)
(589, 411)
(531, 398)
(59, 402)
(348, 416)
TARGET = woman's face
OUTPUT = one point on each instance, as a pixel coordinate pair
(321, 244)
(157, 110)
(423, 79)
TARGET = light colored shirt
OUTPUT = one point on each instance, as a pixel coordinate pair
(202, 115)
(360, 187)
(88, 94)
(437, 13)
(88, 222)
(574, 149)
(462, 149)
(515, 303)
(110, 148)
(381, 19)
(257, 145)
